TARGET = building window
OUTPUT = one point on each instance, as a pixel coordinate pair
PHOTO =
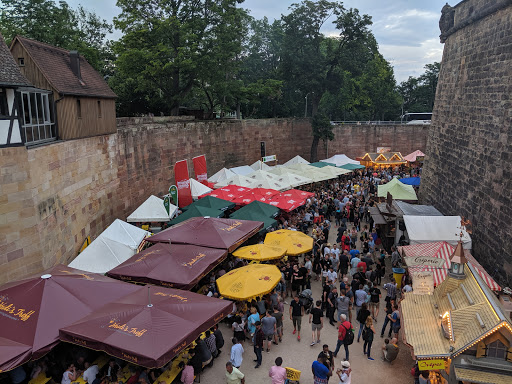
(497, 349)
(99, 108)
(21, 61)
(4, 108)
(38, 123)
(78, 109)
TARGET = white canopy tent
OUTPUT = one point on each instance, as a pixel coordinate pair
(198, 189)
(260, 166)
(152, 211)
(243, 170)
(222, 175)
(292, 179)
(296, 160)
(241, 181)
(340, 160)
(428, 229)
(113, 246)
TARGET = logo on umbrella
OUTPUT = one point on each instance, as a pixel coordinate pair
(266, 278)
(253, 253)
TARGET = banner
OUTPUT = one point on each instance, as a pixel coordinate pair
(183, 183)
(167, 202)
(422, 283)
(429, 365)
(200, 169)
(173, 192)
(427, 261)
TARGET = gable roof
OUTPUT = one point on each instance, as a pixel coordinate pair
(9, 71)
(55, 65)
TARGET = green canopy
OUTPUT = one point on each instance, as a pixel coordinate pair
(268, 223)
(351, 167)
(398, 190)
(211, 202)
(321, 164)
(197, 211)
(259, 208)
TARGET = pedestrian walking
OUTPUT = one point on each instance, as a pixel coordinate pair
(279, 324)
(389, 310)
(331, 305)
(329, 356)
(343, 304)
(269, 327)
(368, 333)
(345, 336)
(237, 352)
(259, 337)
(296, 313)
(394, 317)
(361, 317)
(375, 295)
(233, 375)
(277, 373)
(316, 319)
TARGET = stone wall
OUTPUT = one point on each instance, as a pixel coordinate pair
(469, 154)
(52, 197)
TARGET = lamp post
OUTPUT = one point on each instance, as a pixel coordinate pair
(306, 110)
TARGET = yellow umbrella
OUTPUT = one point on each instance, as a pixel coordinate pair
(295, 242)
(249, 282)
(260, 252)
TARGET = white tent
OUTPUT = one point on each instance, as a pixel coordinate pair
(340, 160)
(223, 174)
(428, 229)
(241, 181)
(292, 179)
(260, 166)
(269, 184)
(113, 246)
(152, 211)
(198, 189)
(242, 170)
(296, 160)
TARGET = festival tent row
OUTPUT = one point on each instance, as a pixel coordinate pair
(113, 246)
(398, 191)
(418, 259)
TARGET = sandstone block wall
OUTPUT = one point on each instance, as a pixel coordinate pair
(469, 154)
(52, 197)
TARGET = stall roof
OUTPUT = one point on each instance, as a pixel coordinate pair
(242, 170)
(427, 229)
(377, 216)
(152, 210)
(398, 190)
(417, 210)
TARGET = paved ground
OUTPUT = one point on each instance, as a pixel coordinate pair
(300, 355)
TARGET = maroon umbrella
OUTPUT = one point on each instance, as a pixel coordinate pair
(209, 232)
(177, 265)
(33, 309)
(148, 334)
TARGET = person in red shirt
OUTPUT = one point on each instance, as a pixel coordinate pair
(362, 265)
(134, 376)
(342, 332)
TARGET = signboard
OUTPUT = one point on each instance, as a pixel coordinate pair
(422, 283)
(383, 149)
(429, 365)
(426, 261)
(167, 203)
(173, 192)
(267, 159)
(200, 168)
(183, 183)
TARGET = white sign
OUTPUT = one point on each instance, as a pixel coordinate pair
(267, 159)
(422, 283)
(427, 261)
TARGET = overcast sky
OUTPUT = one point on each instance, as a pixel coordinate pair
(407, 30)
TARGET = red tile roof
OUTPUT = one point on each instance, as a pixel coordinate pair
(55, 65)
(9, 71)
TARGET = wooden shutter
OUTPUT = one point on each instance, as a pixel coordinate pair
(481, 349)
(509, 354)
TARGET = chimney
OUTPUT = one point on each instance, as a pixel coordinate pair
(74, 59)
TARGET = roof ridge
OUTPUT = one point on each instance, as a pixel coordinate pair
(42, 43)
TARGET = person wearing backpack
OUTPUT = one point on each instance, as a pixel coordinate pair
(345, 336)
(368, 333)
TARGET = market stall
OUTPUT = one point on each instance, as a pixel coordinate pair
(398, 191)
(152, 211)
(428, 229)
(382, 160)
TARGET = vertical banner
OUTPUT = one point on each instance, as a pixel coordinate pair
(200, 169)
(183, 183)
(167, 202)
(173, 192)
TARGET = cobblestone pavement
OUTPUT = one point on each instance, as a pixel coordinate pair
(300, 355)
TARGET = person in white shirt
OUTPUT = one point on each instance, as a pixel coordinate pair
(345, 373)
(236, 353)
(332, 275)
(90, 373)
(327, 249)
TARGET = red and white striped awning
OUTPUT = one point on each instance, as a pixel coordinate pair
(443, 250)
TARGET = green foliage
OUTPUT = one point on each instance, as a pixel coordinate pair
(418, 93)
(59, 25)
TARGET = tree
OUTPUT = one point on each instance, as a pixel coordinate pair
(418, 93)
(311, 64)
(174, 46)
(322, 130)
(58, 25)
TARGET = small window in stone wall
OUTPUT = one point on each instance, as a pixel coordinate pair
(21, 61)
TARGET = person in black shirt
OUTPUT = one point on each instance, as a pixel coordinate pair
(331, 305)
(296, 313)
(344, 262)
(328, 355)
(375, 295)
(325, 294)
(316, 317)
(303, 272)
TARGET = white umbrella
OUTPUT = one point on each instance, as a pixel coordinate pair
(152, 211)
(198, 189)
(241, 181)
(223, 174)
(296, 160)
